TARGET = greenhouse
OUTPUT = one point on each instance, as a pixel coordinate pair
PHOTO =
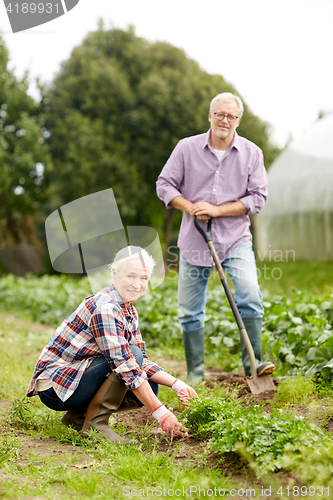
(297, 220)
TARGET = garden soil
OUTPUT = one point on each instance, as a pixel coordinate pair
(187, 448)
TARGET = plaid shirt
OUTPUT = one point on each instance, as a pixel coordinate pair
(101, 326)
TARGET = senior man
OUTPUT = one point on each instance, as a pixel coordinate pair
(217, 175)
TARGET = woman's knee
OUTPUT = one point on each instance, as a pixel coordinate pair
(50, 399)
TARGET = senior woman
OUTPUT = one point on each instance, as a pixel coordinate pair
(96, 364)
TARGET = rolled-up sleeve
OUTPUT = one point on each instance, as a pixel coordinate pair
(169, 181)
(256, 194)
(107, 327)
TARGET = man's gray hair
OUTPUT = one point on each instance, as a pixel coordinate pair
(227, 97)
(130, 252)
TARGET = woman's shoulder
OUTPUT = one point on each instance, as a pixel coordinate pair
(106, 299)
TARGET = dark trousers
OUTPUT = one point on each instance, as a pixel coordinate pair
(89, 384)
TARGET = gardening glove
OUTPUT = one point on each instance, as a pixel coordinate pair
(168, 422)
(184, 392)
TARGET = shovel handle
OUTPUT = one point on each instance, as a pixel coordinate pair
(207, 236)
(235, 311)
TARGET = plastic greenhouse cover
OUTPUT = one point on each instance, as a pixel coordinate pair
(299, 211)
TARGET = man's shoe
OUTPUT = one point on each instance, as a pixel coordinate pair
(265, 368)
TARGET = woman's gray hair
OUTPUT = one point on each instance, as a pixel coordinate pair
(126, 254)
(227, 97)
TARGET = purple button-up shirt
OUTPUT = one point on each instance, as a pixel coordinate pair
(194, 171)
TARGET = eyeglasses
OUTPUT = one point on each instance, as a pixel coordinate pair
(221, 116)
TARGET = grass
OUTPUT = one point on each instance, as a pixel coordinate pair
(282, 278)
(295, 391)
(21, 342)
(40, 458)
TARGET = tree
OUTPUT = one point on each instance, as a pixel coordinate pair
(118, 107)
(23, 157)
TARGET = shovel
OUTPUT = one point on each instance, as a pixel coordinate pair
(256, 384)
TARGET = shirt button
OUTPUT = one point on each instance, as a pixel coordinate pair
(217, 172)
(214, 190)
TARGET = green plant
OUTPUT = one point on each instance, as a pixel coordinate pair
(324, 388)
(297, 330)
(300, 336)
(268, 441)
(280, 440)
(297, 390)
(8, 448)
(48, 299)
(31, 414)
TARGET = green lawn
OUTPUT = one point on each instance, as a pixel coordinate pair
(282, 277)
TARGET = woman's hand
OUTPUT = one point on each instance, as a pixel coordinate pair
(184, 392)
(168, 422)
(170, 425)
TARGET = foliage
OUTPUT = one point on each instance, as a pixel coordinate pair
(204, 411)
(269, 441)
(116, 110)
(297, 331)
(23, 158)
(48, 299)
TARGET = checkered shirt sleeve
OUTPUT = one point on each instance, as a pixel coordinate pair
(101, 325)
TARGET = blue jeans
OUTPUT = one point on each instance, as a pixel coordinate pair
(193, 280)
(89, 384)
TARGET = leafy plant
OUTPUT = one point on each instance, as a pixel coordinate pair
(48, 299)
(31, 414)
(8, 448)
(269, 441)
(297, 330)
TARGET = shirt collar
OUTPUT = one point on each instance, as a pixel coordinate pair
(235, 143)
(128, 311)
